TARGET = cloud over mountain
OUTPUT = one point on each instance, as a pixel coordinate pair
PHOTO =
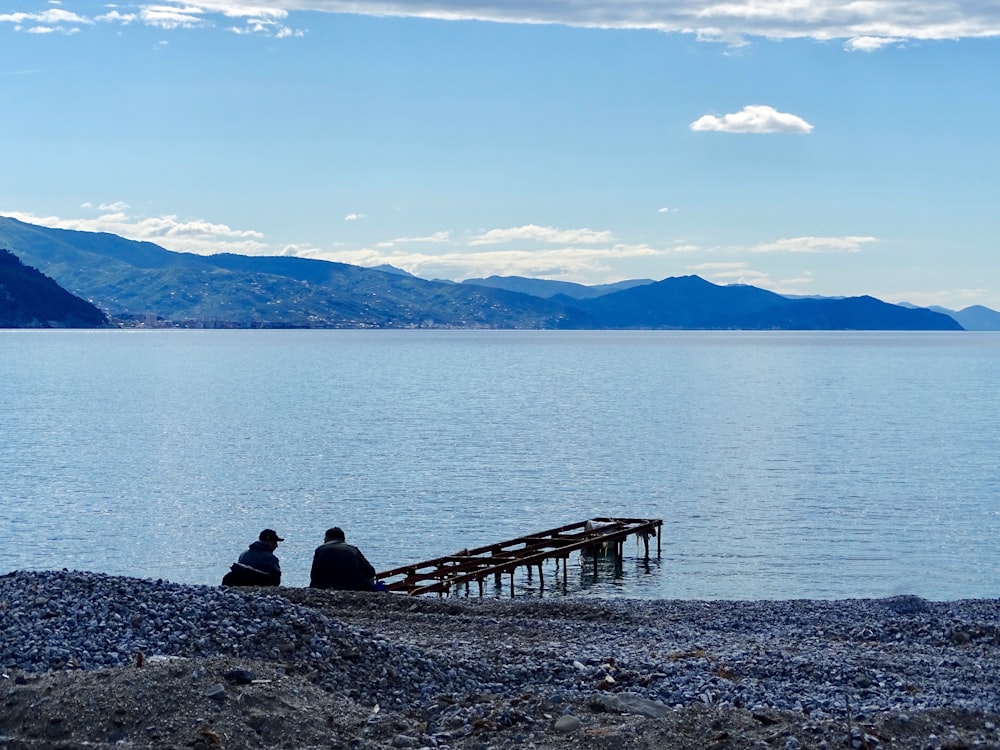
(541, 234)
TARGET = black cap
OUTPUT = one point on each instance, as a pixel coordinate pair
(270, 535)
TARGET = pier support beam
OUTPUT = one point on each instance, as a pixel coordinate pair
(598, 536)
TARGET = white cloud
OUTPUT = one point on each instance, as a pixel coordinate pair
(46, 22)
(725, 20)
(754, 118)
(741, 273)
(114, 16)
(297, 251)
(265, 28)
(354, 217)
(52, 16)
(431, 238)
(718, 267)
(532, 232)
(268, 21)
(172, 17)
(743, 276)
(116, 206)
(565, 263)
(255, 11)
(436, 237)
(863, 25)
(732, 273)
(848, 244)
(198, 236)
(870, 43)
(797, 281)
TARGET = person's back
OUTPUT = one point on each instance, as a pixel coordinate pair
(258, 565)
(340, 566)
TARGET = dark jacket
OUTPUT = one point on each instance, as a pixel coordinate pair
(260, 556)
(341, 566)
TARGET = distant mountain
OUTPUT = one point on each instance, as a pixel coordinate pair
(143, 281)
(392, 269)
(691, 302)
(140, 279)
(547, 289)
(974, 318)
(30, 299)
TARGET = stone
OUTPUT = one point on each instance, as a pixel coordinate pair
(567, 724)
(636, 704)
(629, 703)
(239, 676)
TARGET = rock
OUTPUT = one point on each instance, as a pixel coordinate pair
(636, 704)
(405, 740)
(217, 692)
(239, 676)
(567, 724)
(630, 703)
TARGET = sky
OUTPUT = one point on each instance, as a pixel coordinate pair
(809, 147)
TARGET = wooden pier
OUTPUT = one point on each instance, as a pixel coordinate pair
(444, 574)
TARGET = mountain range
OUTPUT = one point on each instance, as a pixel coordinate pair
(30, 299)
(141, 282)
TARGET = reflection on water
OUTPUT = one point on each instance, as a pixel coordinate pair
(630, 576)
(784, 465)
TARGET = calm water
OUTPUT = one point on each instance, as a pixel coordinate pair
(784, 465)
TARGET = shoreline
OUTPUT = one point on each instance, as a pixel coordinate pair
(502, 594)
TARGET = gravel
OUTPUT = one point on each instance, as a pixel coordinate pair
(468, 672)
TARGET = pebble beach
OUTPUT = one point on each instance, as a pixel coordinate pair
(828, 660)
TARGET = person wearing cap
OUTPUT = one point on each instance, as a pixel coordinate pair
(341, 566)
(260, 557)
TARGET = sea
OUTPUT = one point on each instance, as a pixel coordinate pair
(783, 465)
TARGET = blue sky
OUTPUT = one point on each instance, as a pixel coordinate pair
(811, 147)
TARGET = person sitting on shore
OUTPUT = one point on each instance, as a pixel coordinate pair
(258, 566)
(340, 566)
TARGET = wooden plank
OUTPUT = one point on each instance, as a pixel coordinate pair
(440, 574)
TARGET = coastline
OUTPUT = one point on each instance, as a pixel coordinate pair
(374, 670)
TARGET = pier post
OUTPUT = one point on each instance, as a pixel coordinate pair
(438, 575)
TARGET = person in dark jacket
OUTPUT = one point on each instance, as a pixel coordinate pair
(341, 566)
(258, 566)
